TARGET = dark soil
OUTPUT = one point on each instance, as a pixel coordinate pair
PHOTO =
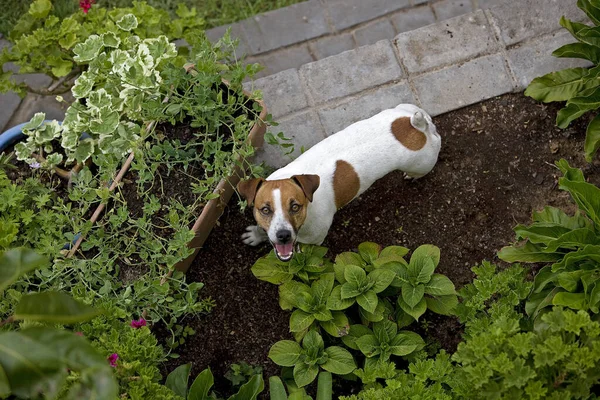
(496, 166)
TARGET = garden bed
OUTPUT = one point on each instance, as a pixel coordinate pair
(495, 167)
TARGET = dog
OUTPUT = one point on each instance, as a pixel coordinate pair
(296, 203)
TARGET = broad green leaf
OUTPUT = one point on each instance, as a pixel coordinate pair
(201, 386)
(594, 297)
(368, 345)
(349, 258)
(540, 232)
(267, 270)
(285, 353)
(538, 301)
(40, 8)
(324, 386)
(528, 252)
(385, 331)
(444, 305)
(570, 173)
(128, 22)
(558, 86)
(575, 301)
(355, 332)
(592, 10)
(84, 151)
(53, 307)
(109, 39)
(60, 66)
(305, 374)
(369, 251)
(570, 280)
(88, 50)
(375, 316)
(572, 259)
(586, 195)
(423, 262)
(4, 384)
(335, 301)
(439, 285)
(312, 340)
(405, 343)
(574, 239)
(355, 275)
(579, 50)
(395, 252)
(368, 300)
(350, 291)
(276, 389)
(416, 311)
(322, 314)
(250, 390)
(338, 326)
(412, 295)
(300, 320)
(177, 380)
(105, 125)
(543, 278)
(290, 292)
(339, 361)
(15, 263)
(570, 113)
(321, 288)
(592, 139)
(382, 278)
(557, 216)
(35, 121)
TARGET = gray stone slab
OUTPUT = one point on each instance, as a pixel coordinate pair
(351, 72)
(518, 20)
(417, 2)
(364, 106)
(447, 9)
(237, 32)
(464, 84)
(282, 92)
(280, 60)
(485, 4)
(347, 13)
(374, 32)
(332, 45)
(34, 103)
(304, 129)
(9, 102)
(413, 18)
(457, 39)
(534, 58)
(286, 26)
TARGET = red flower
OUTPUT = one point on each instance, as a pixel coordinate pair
(85, 5)
(138, 324)
(112, 359)
(79, 333)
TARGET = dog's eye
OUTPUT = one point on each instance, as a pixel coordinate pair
(295, 208)
(265, 210)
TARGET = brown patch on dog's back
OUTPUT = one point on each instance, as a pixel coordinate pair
(408, 135)
(346, 183)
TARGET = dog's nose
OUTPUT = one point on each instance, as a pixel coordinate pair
(284, 236)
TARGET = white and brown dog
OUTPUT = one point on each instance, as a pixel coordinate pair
(297, 202)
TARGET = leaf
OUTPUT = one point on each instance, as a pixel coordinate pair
(324, 386)
(369, 251)
(543, 278)
(592, 139)
(393, 252)
(321, 288)
(557, 216)
(60, 66)
(538, 301)
(368, 345)
(201, 386)
(570, 280)
(177, 380)
(574, 239)
(300, 320)
(338, 326)
(385, 331)
(541, 232)
(335, 301)
(416, 311)
(592, 11)
(586, 195)
(339, 361)
(528, 252)
(127, 22)
(381, 278)
(355, 275)
(88, 50)
(423, 262)
(443, 305)
(290, 292)
(355, 332)
(15, 263)
(439, 285)
(579, 50)
(405, 343)
(368, 300)
(285, 353)
(106, 124)
(558, 86)
(266, 269)
(276, 389)
(349, 291)
(312, 341)
(40, 9)
(250, 390)
(412, 295)
(575, 301)
(53, 307)
(305, 374)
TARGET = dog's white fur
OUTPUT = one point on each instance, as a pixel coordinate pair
(371, 149)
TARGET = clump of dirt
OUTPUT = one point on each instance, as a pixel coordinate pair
(496, 166)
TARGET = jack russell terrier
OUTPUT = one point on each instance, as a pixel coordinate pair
(297, 202)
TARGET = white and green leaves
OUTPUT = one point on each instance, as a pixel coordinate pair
(310, 357)
(307, 265)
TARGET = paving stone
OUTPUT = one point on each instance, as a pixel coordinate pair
(237, 32)
(374, 32)
(447, 9)
(464, 84)
(332, 45)
(417, 2)
(280, 60)
(347, 13)
(485, 4)
(351, 72)
(518, 21)
(34, 103)
(413, 18)
(286, 26)
(364, 106)
(534, 58)
(304, 129)
(282, 92)
(457, 39)
(9, 102)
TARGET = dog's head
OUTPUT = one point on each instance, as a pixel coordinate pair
(280, 208)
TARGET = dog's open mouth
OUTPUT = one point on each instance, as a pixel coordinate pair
(284, 252)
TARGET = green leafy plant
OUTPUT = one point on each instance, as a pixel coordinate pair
(306, 265)
(571, 243)
(324, 389)
(239, 374)
(309, 357)
(579, 87)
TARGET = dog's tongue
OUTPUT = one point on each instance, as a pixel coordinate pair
(285, 250)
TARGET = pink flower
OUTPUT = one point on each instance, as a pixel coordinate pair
(85, 5)
(112, 359)
(79, 333)
(138, 324)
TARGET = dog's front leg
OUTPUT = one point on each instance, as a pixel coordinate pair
(254, 235)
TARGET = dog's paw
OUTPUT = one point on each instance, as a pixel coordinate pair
(254, 235)
(412, 177)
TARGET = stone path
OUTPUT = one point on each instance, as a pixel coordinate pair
(330, 63)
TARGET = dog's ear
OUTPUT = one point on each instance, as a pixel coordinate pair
(249, 188)
(308, 183)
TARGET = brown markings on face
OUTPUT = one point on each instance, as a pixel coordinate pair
(408, 135)
(346, 183)
(293, 201)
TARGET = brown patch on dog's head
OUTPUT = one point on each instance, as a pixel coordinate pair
(249, 188)
(408, 135)
(346, 183)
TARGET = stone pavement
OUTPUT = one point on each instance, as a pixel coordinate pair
(330, 63)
